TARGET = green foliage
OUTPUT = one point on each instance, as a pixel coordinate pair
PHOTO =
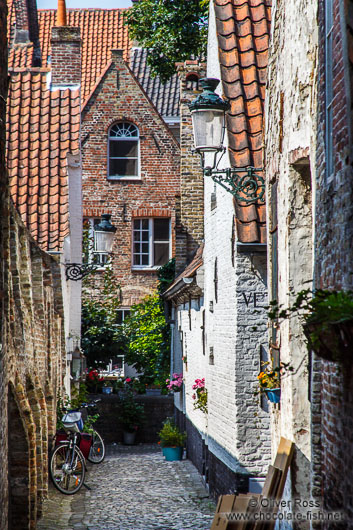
(102, 336)
(131, 413)
(172, 31)
(170, 435)
(89, 422)
(147, 337)
(166, 275)
(327, 319)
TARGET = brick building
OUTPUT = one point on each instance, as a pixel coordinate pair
(218, 301)
(130, 155)
(332, 388)
(33, 220)
(130, 163)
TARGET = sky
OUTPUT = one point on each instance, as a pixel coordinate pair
(105, 4)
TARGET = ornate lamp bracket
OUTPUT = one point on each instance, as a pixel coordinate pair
(243, 183)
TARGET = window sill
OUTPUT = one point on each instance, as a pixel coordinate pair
(130, 179)
(145, 269)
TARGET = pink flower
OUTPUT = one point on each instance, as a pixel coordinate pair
(194, 396)
(128, 380)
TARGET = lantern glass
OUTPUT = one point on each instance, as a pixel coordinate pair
(208, 125)
(103, 241)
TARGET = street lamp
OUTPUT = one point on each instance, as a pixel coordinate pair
(103, 242)
(208, 121)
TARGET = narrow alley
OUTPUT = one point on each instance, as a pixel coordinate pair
(134, 488)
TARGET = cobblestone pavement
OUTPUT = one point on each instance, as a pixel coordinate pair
(133, 489)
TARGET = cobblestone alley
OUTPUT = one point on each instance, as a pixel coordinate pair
(133, 489)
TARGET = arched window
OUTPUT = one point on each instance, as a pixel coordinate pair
(123, 151)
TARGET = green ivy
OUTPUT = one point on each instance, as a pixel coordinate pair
(102, 335)
(172, 31)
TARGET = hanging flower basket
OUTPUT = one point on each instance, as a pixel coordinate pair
(273, 395)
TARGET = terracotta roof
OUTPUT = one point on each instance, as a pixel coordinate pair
(20, 55)
(243, 29)
(42, 128)
(101, 31)
(179, 289)
(165, 97)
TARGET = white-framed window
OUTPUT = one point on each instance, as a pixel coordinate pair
(329, 88)
(122, 313)
(123, 151)
(89, 243)
(151, 242)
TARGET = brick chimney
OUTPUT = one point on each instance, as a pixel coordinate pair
(65, 50)
(191, 176)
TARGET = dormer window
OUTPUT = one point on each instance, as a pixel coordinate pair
(123, 151)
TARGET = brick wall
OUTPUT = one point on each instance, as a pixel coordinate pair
(332, 397)
(118, 97)
(191, 177)
(65, 56)
(157, 409)
(33, 360)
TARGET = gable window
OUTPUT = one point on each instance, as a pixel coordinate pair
(123, 151)
(151, 242)
(89, 243)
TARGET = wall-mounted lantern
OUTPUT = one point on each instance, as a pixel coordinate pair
(103, 242)
(208, 119)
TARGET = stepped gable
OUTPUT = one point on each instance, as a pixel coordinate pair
(101, 31)
(243, 30)
(42, 128)
(164, 97)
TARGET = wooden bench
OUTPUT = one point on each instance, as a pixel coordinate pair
(250, 503)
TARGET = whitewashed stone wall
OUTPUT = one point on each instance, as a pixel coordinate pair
(290, 158)
(235, 326)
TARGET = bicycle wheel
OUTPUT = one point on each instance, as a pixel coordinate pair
(97, 451)
(67, 471)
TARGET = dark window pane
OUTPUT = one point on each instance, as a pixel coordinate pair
(145, 260)
(137, 259)
(137, 248)
(145, 235)
(123, 167)
(137, 223)
(161, 253)
(122, 148)
(161, 229)
(144, 224)
(119, 317)
(145, 248)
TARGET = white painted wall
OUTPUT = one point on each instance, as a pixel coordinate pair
(72, 253)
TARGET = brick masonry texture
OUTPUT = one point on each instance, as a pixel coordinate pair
(290, 135)
(32, 361)
(119, 97)
(191, 177)
(157, 409)
(332, 386)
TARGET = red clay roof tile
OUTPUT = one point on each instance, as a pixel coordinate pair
(243, 28)
(36, 155)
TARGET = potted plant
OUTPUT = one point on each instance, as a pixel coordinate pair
(131, 416)
(171, 440)
(269, 382)
(200, 395)
(327, 319)
(176, 383)
(107, 387)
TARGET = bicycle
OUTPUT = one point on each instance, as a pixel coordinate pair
(67, 463)
(96, 453)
